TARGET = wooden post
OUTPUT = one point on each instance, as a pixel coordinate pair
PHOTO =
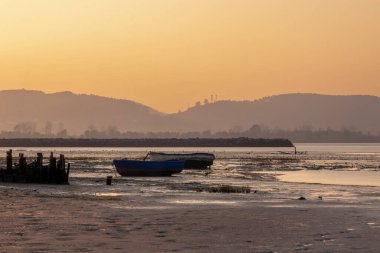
(22, 162)
(40, 159)
(60, 173)
(62, 165)
(39, 168)
(67, 173)
(51, 159)
(52, 167)
(9, 160)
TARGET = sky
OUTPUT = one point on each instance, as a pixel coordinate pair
(168, 54)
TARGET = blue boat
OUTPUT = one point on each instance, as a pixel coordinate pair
(148, 168)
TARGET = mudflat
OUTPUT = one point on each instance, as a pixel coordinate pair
(34, 220)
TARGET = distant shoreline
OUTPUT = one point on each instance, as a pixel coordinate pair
(191, 142)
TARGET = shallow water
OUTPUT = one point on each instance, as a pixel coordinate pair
(343, 165)
(364, 178)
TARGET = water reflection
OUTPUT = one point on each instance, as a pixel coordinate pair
(365, 178)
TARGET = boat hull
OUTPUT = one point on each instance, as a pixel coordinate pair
(197, 164)
(129, 168)
(192, 161)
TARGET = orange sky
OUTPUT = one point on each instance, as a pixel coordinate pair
(170, 53)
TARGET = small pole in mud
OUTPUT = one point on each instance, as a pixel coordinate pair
(109, 180)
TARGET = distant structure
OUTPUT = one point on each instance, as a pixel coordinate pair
(213, 99)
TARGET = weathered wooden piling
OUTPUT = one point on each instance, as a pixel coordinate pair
(9, 160)
(35, 172)
(52, 167)
(52, 162)
(68, 172)
(61, 162)
(39, 160)
(60, 173)
(22, 162)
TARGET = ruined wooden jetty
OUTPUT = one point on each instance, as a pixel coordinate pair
(35, 172)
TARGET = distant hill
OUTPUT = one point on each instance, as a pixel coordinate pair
(289, 111)
(76, 113)
(73, 112)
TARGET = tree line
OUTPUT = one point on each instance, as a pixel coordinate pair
(302, 134)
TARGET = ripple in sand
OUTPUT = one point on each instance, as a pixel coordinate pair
(202, 202)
